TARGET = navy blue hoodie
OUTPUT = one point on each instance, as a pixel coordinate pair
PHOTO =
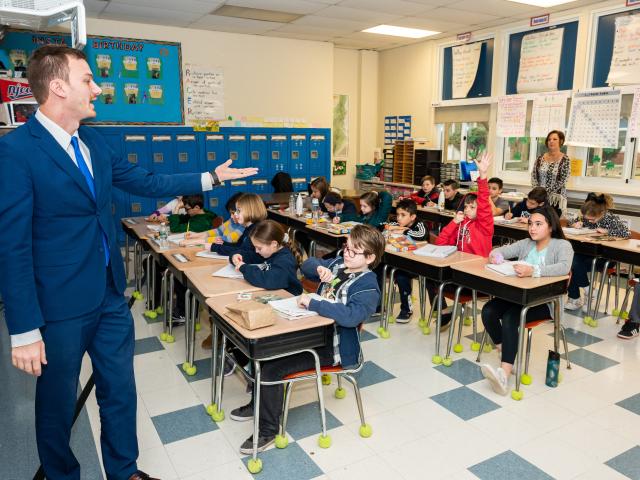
(277, 271)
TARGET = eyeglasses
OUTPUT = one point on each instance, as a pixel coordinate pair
(351, 253)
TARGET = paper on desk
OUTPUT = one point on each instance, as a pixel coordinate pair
(228, 271)
(176, 237)
(289, 309)
(501, 219)
(154, 228)
(505, 268)
(212, 255)
(436, 251)
(578, 231)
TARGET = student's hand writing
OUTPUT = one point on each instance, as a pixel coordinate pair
(218, 241)
(577, 225)
(325, 274)
(29, 358)
(459, 217)
(524, 219)
(237, 260)
(336, 220)
(523, 270)
(602, 230)
(483, 162)
(430, 204)
(508, 216)
(304, 300)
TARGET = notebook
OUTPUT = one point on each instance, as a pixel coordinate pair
(228, 271)
(505, 268)
(289, 309)
(577, 231)
(212, 255)
(436, 251)
(500, 219)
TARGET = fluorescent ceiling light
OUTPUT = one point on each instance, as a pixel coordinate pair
(400, 31)
(543, 3)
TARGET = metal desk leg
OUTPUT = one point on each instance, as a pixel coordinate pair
(137, 268)
(557, 319)
(255, 464)
(592, 280)
(437, 359)
(312, 248)
(383, 299)
(213, 409)
(126, 257)
(517, 394)
(423, 304)
(447, 361)
(593, 321)
(384, 330)
(167, 335)
(189, 333)
(475, 346)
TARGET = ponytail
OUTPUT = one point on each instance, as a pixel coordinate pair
(596, 204)
(268, 231)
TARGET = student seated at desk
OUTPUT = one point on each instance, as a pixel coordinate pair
(174, 206)
(352, 293)
(536, 198)
(428, 194)
(196, 219)
(596, 216)
(319, 188)
(230, 231)
(499, 206)
(374, 209)
(407, 224)
(548, 254)
(274, 265)
(471, 231)
(249, 210)
(452, 197)
(338, 207)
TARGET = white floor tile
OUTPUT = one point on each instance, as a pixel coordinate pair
(155, 462)
(347, 448)
(373, 468)
(169, 400)
(192, 455)
(234, 470)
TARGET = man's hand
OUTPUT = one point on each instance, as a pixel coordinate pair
(325, 274)
(225, 172)
(29, 358)
(483, 162)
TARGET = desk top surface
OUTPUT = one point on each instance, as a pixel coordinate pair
(629, 245)
(139, 228)
(190, 254)
(455, 258)
(275, 198)
(323, 228)
(209, 286)
(477, 268)
(281, 327)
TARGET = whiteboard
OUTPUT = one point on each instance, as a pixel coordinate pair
(549, 112)
(512, 116)
(540, 61)
(203, 94)
(625, 59)
(594, 120)
(465, 61)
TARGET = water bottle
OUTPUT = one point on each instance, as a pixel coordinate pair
(292, 204)
(441, 200)
(553, 367)
(315, 211)
(163, 235)
(299, 205)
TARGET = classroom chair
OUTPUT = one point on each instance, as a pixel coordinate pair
(623, 313)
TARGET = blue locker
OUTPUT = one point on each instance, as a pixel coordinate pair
(258, 152)
(137, 151)
(278, 154)
(162, 154)
(215, 151)
(299, 184)
(238, 186)
(187, 158)
(237, 150)
(299, 163)
(113, 138)
(260, 185)
(216, 198)
(318, 155)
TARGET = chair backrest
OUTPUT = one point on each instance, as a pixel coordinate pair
(281, 183)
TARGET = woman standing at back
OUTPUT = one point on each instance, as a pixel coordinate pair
(551, 171)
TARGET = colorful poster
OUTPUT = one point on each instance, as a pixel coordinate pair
(340, 126)
(548, 113)
(103, 66)
(625, 59)
(540, 61)
(465, 67)
(203, 94)
(512, 116)
(594, 120)
(108, 95)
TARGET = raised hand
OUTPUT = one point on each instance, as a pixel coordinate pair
(225, 172)
(483, 162)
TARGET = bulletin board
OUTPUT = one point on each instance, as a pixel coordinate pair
(567, 56)
(141, 79)
(605, 38)
(482, 85)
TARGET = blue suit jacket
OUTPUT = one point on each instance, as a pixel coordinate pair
(52, 263)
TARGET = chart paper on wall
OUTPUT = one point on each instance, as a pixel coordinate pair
(625, 59)
(203, 94)
(549, 112)
(634, 120)
(512, 116)
(465, 67)
(594, 120)
(540, 61)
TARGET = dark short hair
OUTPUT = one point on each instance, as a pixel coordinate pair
(196, 200)
(470, 198)
(408, 205)
(548, 212)
(538, 194)
(369, 240)
(451, 183)
(557, 132)
(48, 63)
(231, 203)
(497, 181)
(332, 198)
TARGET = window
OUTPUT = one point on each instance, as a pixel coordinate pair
(465, 141)
(453, 141)
(517, 151)
(477, 134)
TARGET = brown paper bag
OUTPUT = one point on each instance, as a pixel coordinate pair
(251, 314)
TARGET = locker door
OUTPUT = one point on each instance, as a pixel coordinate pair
(258, 152)
(215, 151)
(186, 147)
(237, 186)
(162, 154)
(216, 198)
(299, 184)
(278, 155)
(237, 148)
(318, 155)
(113, 138)
(299, 163)
(137, 151)
(260, 185)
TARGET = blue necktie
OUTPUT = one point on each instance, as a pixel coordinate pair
(82, 165)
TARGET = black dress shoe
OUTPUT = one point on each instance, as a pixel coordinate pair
(141, 476)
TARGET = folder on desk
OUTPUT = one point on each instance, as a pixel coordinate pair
(436, 251)
(505, 268)
(289, 309)
(212, 255)
(500, 219)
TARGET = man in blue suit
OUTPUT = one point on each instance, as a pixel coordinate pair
(61, 271)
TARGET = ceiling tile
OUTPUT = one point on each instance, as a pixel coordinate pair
(290, 6)
(357, 15)
(235, 25)
(396, 7)
(455, 16)
(93, 7)
(429, 24)
(326, 22)
(299, 36)
(326, 31)
(157, 16)
(498, 8)
(185, 6)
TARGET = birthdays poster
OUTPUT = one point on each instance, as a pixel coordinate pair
(141, 80)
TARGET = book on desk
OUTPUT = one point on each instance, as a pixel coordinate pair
(505, 268)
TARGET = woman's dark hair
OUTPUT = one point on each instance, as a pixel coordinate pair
(596, 204)
(538, 194)
(372, 199)
(231, 203)
(560, 137)
(548, 212)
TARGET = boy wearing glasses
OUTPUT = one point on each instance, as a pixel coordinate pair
(196, 218)
(350, 295)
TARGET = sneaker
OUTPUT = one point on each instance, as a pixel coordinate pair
(629, 330)
(497, 378)
(263, 443)
(229, 368)
(573, 304)
(177, 320)
(242, 414)
(594, 293)
(404, 316)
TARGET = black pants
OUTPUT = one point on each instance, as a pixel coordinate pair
(581, 268)
(501, 320)
(404, 281)
(271, 395)
(434, 287)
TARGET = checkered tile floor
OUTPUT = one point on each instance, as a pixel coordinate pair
(428, 421)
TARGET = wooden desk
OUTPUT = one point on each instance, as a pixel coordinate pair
(623, 251)
(514, 231)
(134, 228)
(276, 198)
(527, 292)
(320, 234)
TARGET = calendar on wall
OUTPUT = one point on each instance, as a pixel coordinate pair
(594, 120)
